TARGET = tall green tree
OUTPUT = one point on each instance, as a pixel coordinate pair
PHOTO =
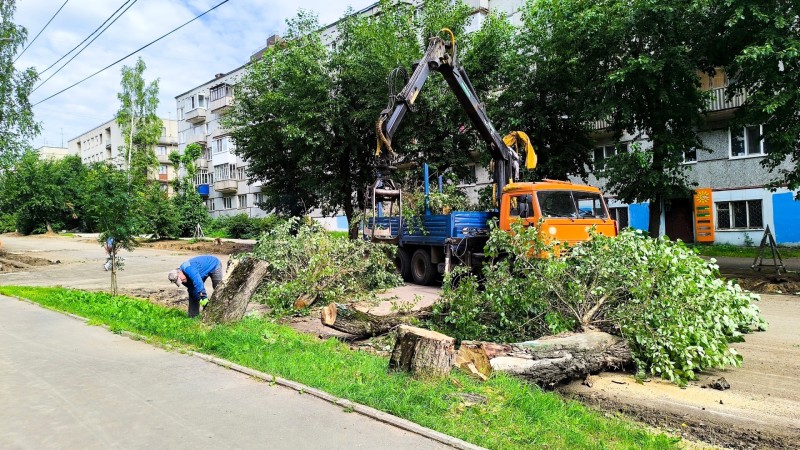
(138, 122)
(43, 193)
(640, 65)
(758, 44)
(17, 124)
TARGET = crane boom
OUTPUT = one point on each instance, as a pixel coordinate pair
(440, 56)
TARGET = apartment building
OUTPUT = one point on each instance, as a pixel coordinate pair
(731, 203)
(221, 178)
(105, 143)
(53, 153)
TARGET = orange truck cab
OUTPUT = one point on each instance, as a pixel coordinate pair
(568, 211)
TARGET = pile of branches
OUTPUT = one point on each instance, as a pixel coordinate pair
(668, 304)
(307, 264)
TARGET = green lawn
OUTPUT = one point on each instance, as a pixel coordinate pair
(743, 252)
(515, 415)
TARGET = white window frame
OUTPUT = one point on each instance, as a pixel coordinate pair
(731, 215)
(241, 201)
(227, 202)
(690, 161)
(762, 145)
(163, 169)
(219, 145)
(610, 150)
(202, 101)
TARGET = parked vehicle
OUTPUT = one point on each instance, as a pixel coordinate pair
(434, 243)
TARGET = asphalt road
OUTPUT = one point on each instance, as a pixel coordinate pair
(64, 384)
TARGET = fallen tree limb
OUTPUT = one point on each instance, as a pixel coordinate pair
(550, 361)
(362, 324)
(229, 301)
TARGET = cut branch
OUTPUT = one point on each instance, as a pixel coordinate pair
(362, 324)
(229, 301)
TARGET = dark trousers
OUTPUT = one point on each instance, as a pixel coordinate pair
(194, 301)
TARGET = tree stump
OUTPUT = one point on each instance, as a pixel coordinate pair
(229, 301)
(423, 353)
(362, 324)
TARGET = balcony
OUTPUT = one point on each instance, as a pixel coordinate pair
(203, 190)
(719, 102)
(202, 163)
(163, 177)
(163, 159)
(221, 103)
(197, 115)
(198, 138)
(226, 186)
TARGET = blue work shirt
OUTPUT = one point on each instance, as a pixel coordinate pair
(197, 269)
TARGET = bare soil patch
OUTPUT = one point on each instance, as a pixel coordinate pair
(12, 262)
(219, 247)
(766, 281)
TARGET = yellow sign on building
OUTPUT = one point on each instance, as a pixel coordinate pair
(703, 215)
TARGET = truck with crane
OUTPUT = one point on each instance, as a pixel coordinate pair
(564, 211)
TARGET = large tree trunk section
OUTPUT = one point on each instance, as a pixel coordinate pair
(229, 301)
(362, 324)
(551, 361)
(423, 353)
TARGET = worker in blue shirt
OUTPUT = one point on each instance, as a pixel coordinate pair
(193, 274)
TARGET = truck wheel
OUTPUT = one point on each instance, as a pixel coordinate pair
(403, 262)
(422, 270)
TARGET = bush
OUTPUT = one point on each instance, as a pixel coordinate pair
(8, 222)
(241, 226)
(676, 314)
(307, 261)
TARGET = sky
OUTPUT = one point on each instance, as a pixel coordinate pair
(219, 42)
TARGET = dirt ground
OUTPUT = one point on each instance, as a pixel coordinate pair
(760, 410)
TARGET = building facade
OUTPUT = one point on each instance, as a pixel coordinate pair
(105, 143)
(728, 176)
(53, 153)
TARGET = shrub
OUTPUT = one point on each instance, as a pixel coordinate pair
(676, 314)
(307, 261)
(241, 226)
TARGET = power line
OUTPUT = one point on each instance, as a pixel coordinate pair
(87, 45)
(40, 31)
(86, 38)
(132, 53)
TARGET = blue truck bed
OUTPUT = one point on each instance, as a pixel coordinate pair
(436, 229)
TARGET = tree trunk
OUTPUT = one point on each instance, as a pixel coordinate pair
(654, 222)
(550, 361)
(361, 324)
(229, 301)
(422, 352)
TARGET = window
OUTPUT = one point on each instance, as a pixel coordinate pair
(620, 215)
(222, 172)
(242, 201)
(161, 150)
(718, 80)
(572, 204)
(163, 131)
(521, 206)
(219, 145)
(201, 100)
(240, 173)
(690, 156)
(227, 202)
(744, 214)
(218, 92)
(182, 137)
(259, 199)
(210, 204)
(747, 142)
(180, 113)
(607, 151)
(162, 169)
(202, 177)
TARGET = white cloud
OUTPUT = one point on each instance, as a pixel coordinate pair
(220, 41)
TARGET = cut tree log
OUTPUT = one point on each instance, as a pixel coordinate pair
(363, 324)
(423, 353)
(229, 301)
(550, 361)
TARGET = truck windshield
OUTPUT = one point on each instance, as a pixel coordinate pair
(572, 204)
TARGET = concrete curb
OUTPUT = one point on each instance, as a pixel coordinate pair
(364, 410)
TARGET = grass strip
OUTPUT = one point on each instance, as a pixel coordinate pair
(742, 252)
(515, 415)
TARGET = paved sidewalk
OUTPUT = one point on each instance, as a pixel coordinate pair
(64, 384)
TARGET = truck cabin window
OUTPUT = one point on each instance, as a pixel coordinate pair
(522, 206)
(572, 204)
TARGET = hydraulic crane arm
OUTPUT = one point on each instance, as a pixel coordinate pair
(441, 57)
